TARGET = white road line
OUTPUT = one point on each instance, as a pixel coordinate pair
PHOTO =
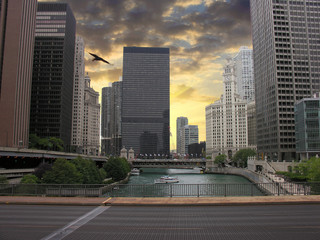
(63, 232)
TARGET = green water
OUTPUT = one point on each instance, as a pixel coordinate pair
(186, 176)
(191, 183)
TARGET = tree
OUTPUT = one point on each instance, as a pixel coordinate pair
(62, 172)
(29, 179)
(52, 143)
(34, 141)
(88, 169)
(310, 169)
(117, 168)
(242, 155)
(220, 160)
(41, 169)
(56, 144)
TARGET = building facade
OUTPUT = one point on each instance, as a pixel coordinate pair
(111, 142)
(116, 113)
(17, 28)
(226, 119)
(105, 121)
(286, 58)
(244, 72)
(78, 97)
(146, 100)
(252, 124)
(307, 127)
(197, 150)
(53, 72)
(189, 135)
(181, 122)
(91, 121)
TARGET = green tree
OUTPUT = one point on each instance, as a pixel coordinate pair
(310, 169)
(220, 160)
(34, 141)
(63, 172)
(41, 169)
(117, 168)
(241, 157)
(88, 169)
(56, 144)
(29, 179)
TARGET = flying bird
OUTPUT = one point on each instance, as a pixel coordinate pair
(97, 58)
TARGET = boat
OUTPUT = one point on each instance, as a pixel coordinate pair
(166, 179)
(135, 172)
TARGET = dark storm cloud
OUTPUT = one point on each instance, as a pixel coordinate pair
(107, 25)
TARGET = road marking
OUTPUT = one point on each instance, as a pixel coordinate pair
(106, 201)
(63, 232)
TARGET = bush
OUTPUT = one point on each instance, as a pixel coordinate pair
(30, 179)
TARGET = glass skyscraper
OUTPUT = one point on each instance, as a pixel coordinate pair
(146, 100)
(286, 64)
(53, 72)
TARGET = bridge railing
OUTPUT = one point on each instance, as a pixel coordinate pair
(160, 190)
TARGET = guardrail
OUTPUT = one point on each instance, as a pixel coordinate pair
(160, 190)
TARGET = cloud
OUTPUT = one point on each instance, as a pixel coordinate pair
(199, 33)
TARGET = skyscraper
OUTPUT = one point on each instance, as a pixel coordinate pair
(146, 101)
(111, 119)
(189, 135)
(226, 119)
(53, 72)
(91, 120)
(116, 113)
(17, 26)
(286, 61)
(244, 73)
(181, 122)
(78, 97)
(106, 120)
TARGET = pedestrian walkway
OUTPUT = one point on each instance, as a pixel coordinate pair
(175, 201)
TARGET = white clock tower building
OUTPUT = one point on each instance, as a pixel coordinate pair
(226, 119)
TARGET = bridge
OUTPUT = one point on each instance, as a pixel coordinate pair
(6, 152)
(169, 163)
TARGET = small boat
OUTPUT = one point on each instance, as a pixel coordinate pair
(135, 172)
(166, 179)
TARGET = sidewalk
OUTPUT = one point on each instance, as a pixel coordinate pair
(176, 201)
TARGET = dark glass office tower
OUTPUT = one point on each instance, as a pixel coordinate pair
(146, 100)
(53, 67)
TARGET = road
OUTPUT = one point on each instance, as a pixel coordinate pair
(156, 222)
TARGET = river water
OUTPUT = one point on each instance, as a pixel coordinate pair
(186, 176)
(191, 183)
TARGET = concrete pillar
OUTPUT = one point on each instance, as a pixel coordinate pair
(124, 153)
(131, 155)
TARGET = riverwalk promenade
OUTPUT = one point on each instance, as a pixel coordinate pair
(163, 201)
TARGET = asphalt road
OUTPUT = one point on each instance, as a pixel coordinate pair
(24, 222)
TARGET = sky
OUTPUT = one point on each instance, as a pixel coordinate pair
(201, 35)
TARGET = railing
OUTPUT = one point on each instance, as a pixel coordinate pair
(160, 190)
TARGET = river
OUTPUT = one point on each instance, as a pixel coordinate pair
(185, 176)
(191, 183)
